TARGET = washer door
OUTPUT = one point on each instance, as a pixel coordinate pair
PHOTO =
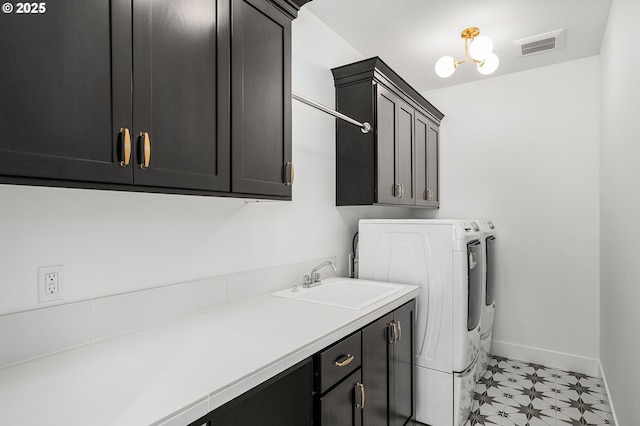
(474, 283)
(491, 270)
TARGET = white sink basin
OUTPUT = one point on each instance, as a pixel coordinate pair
(343, 293)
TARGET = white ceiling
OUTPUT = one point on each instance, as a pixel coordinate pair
(411, 35)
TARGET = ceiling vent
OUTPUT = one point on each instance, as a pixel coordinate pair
(540, 43)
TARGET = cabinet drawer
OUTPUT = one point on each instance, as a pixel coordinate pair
(337, 361)
(343, 405)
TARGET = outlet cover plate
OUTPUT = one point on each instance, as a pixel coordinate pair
(42, 293)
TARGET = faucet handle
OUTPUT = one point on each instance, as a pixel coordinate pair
(316, 277)
(306, 281)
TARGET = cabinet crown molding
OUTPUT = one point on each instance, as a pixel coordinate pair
(375, 68)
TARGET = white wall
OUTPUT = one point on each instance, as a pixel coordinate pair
(522, 150)
(115, 242)
(519, 149)
(620, 210)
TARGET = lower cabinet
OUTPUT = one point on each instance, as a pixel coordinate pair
(380, 391)
(402, 406)
(344, 404)
(364, 379)
(387, 366)
(284, 400)
(340, 394)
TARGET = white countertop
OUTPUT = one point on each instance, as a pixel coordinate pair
(174, 373)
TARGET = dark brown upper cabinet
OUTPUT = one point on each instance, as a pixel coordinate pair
(177, 73)
(260, 99)
(190, 96)
(65, 91)
(397, 162)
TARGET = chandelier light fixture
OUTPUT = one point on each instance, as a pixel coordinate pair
(478, 48)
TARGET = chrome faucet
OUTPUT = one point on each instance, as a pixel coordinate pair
(313, 279)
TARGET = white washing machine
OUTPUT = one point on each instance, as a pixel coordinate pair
(488, 294)
(445, 257)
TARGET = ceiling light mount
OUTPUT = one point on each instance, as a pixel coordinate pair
(470, 33)
(478, 48)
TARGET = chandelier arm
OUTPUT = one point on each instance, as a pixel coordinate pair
(466, 54)
(456, 63)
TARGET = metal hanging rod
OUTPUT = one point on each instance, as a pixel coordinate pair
(364, 127)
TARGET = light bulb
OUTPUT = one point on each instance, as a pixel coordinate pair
(445, 66)
(481, 48)
(490, 64)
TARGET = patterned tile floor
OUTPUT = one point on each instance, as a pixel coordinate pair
(515, 393)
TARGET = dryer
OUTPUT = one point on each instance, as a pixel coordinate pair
(445, 257)
(488, 294)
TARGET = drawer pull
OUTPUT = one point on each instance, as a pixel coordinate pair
(360, 404)
(346, 361)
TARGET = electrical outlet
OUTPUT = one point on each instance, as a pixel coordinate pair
(50, 283)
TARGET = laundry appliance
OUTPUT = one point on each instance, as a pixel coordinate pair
(488, 294)
(445, 258)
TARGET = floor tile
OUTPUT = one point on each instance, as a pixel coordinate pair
(517, 393)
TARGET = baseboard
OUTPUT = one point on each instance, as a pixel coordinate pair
(563, 361)
(606, 386)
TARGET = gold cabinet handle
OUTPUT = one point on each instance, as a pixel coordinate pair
(360, 404)
(292, 173)
(125, 136)
(429, 194)
(395, 190)
(346, 361)
(145, 151)
(398, 190)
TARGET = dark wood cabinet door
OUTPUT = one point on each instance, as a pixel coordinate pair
(338, 407)
(375, 371)
(433, 165)
(176, 76)
(422, 161)
(395, 149)
(405, 155)
(260, 98)
(426, 166)
(387, 104)
(401, 365)
(65, 90)
(285, 400)
(387, 368)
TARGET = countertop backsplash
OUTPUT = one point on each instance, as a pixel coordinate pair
(32, 334)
